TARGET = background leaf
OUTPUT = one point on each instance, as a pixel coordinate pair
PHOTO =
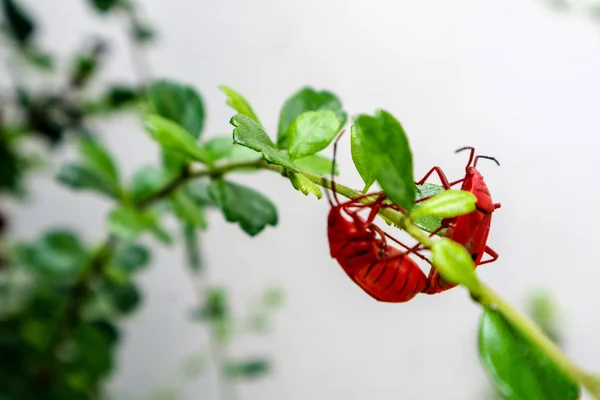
(173, 137)
(104, 6)
(132, 257)
(245, 206)
(97, 158)
(248, 133)
(239, 103)
(311, 132)
(519, 369)
(390, 156)
(20, 24)
(178, 103)
(247, 369)
(146, 181)
(187, 210)
(306, 99)
(80, 177)
(316, 164)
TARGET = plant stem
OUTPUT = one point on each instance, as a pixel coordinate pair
(489, 298)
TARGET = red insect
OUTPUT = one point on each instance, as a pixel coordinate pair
(361, 248)
(470, 230)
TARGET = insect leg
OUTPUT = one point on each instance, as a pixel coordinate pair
(492, 254)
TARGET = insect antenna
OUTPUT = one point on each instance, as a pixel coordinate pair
(471, 156)
(487, 158)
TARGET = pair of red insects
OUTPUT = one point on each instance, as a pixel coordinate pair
(385, 272)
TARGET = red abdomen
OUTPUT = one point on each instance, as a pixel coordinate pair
(382, 271)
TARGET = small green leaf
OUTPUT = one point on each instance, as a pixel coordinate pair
(427, 222)
(219, 147)
(239, 103)
(185, 208)
(311, 132)
(361, 158)
(448, 204)
(390, 156)
(305, 185)
(316, 164)
(142, 33)
(97, 158)
(178, 103)
(80, 177)
(127, 223)
(272, 297)
(516, 366)
(147, 180)
(173, 137)
(192, 247)
(216, 304)
(543, 310)
(125, 297)
(248, 133)
(57, 252)
(20, 25)
(104, 6)
(245, 206)
(454, 263)
(132, 257)
(248, 369)
(198, 191)
(306, 99)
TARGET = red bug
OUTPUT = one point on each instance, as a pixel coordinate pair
(361, 248)
(470, 230)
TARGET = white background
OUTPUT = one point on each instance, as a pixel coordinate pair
(513, 78)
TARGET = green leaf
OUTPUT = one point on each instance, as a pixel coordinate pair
(272, 297)
(361, 158)
(454, 263)
(248, 133)
(248, 369)
(316, 164)
(448, 204)
(192, 247)
(178, 103)
(516, 366)
(306, 99)
(125, 297)
(187, 210)
(132, 257)
(97, 158)
(142, 33)
(239, 103)
(127, 223)
(172, 137)
(20, 25)
(216, 304)
(199, 193)
(219, 147)
(311, 132)
(543, 310)
(427, 222)
(80, 177)
(305, 185)
(390, 156)
(57, 252)
(245, 206)
(147, 180)
(38, 58)
(104, 6)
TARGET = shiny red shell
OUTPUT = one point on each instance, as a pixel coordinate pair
(384, 272)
